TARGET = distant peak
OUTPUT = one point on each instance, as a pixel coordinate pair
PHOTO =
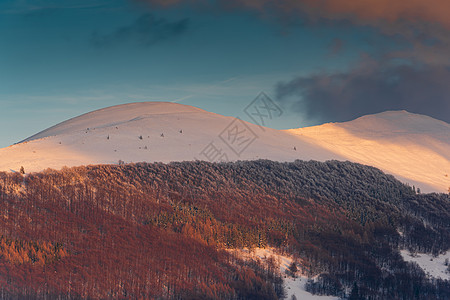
(388, 113)
(398, 115)
(397, 121)
(390, 120)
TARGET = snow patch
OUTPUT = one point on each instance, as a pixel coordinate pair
(292, 286)
(432, 266)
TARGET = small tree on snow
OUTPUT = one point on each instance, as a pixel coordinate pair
(292, 269)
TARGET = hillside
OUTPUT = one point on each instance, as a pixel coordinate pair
(414, 148)
(150, 132)
(164, 231)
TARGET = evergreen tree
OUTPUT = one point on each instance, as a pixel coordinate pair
(293, 268)
(354, 295)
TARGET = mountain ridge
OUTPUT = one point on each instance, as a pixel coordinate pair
(412, 147)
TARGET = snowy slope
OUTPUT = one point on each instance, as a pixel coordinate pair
(152, 131)
(414, 148)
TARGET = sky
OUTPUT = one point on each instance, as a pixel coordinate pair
(319, 61)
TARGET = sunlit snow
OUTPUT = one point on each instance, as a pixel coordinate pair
(414, 148)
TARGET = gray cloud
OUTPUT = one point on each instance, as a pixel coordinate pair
(147, 30)
(371, 87)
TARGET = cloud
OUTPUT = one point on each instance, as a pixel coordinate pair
(147, 30)
(371, 87)
(420, 83)
(367, 11)
(425, 25)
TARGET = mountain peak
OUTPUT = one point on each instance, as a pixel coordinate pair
(393, 114)
(115, 116)
(395, 121)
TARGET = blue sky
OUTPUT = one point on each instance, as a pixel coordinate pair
(59, 59)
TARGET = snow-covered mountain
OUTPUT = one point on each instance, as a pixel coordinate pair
(414, 148)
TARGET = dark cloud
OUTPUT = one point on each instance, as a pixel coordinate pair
(372, 87)
(147, 30)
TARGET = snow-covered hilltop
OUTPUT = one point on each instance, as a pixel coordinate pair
(413, 147)
(153, 132)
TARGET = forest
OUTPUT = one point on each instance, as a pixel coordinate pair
(161, 231)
